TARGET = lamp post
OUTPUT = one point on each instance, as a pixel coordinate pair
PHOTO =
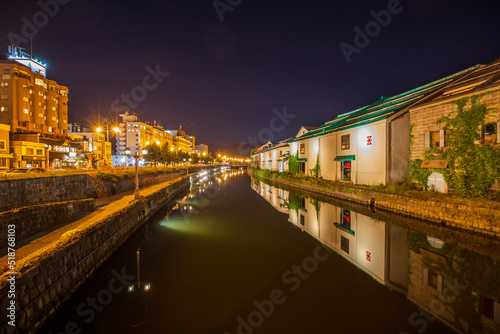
(128, 152)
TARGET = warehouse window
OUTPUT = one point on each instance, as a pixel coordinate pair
(490, 133)
(345, 141)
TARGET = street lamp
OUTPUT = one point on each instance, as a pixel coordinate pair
(128, 152)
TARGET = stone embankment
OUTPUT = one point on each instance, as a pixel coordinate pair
(30, 220)
(25, 192)
(475, 218)
(46, 278)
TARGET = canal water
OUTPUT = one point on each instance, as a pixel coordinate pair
(239, 255)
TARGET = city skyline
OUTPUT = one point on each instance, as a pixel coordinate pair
(248, 64)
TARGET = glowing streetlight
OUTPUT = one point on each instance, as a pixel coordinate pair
(99, 129)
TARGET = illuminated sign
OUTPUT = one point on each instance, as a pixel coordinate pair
(368, 256)
(369, 140)
(16, 53)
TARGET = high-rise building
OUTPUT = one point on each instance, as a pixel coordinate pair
(30, 104)
(136, 135)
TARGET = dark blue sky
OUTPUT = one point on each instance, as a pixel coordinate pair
(226, 77)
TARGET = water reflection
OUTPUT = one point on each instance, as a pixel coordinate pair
(449, 282)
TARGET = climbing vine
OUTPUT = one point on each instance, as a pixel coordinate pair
(293, 164)
(472, 168)
(317, 169)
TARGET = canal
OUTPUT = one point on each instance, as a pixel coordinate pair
(240, 255)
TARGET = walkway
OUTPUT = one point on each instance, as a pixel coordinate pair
(105, 206)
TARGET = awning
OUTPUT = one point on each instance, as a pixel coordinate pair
(434, 164)
(344, 157)
(57, 155)
(81, 156)
(32, 157)
(343, 228)
(302, 160)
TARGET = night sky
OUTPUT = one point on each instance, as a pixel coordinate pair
(226, 77)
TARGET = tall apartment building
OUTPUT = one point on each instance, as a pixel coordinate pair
(136, 135)
(30, 103)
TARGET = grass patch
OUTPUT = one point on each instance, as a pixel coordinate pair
(401, 188)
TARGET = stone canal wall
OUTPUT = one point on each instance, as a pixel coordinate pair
(475, 218)
(49, 276)
(32, 219)
(25, 192)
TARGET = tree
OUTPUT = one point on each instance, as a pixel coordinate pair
(165, 154)
(153, 156)
(473, 167)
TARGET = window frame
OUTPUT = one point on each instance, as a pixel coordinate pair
(343, 145)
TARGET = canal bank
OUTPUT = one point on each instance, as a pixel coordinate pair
(48, 276)
(462, 215)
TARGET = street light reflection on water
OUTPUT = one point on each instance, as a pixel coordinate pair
(233, 258)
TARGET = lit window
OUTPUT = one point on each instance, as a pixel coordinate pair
(4, 96)
(5, 84)
(26, 111)
(345, 141)
(302, 148)
(490, 134)
(4, 109)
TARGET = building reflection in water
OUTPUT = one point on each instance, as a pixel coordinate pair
(456, 285)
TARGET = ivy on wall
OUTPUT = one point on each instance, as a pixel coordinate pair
(293, 164)
(472, 168)
(317, 169)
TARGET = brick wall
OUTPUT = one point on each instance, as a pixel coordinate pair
(424, 119)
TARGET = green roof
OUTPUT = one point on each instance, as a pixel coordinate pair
(382, 109)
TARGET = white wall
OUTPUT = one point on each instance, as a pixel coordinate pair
(371, 159)
(328, 152)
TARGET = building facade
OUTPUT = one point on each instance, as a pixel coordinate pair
(136, 135)
(30, 104)
(369, 145)
(5, 155)
(428, 135)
